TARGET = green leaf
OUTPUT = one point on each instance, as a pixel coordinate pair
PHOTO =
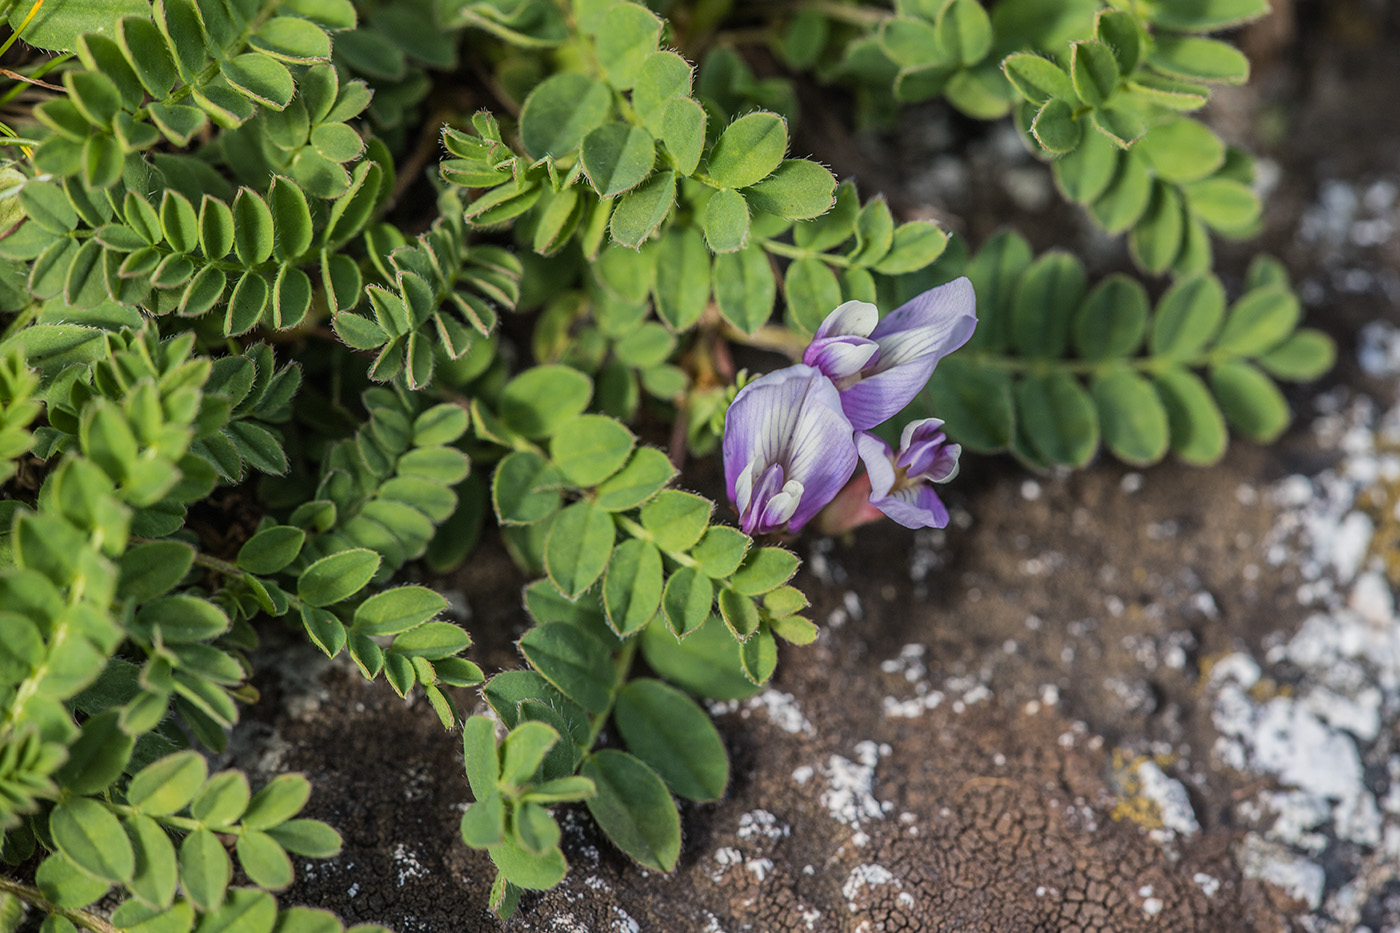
(706, 663)
(310, 838)
(759, 657)
(1132, 418)
(432, 641)
(1056, 127)
(666, 730)
(579, 545)
(253, 231)
(632, 586)
(168, 784)
(1156, 239)
(542, 399)
(764, 569)
(812, 292)
(397, 610)
(627, 37)
(66, 885)
(1198, 433)
(687, 600)
(1188, 317)
(617, 157)
(1094, 71)
(1193, 58)
(264, 861)
(22, 649)
(590, 448)
(479, 753)
(89, 835)
(1259, 321)
(1038, 79)
(573, 661)
(222, 799)
(748, 150)
(915, 246)
(279, 800)
(975, 403)
(156, 874)
(59, 28)
(97, 757)
(664, 76)
(646, 472)
(963, 31)
(1085, 174)
(182, 619)
(633, 808)
(676, 519)
(1046, 299)
(874, 233)
(292, 40)
(264, 80)
(1251, 402)
(1122, 125)
(527, 870)
(205, 869)
(271, 549)
(337, 576)
(739, 613)
(151, 570)
(725, 220)
(641, 211)
(798, 189)
(745, 287)
(337, 142)
(682, 285)
(683, 132)
(720, 550)
(525, 488)
(1223, 203)
(1112, 321)
(1059, 418)
(524, 750)
(1305, 355)
(1182, 150)
(291, 219)
(483, 823)
(560, 111)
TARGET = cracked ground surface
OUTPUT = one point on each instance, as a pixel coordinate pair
(1113, 700)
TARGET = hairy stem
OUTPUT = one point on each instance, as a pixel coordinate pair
(34, 898)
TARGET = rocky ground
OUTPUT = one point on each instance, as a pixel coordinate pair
(1109, 700)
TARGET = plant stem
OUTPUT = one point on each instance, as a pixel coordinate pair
(33, 897)
(846, 13)
(621, 667)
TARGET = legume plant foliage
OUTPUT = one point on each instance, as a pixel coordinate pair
(295, 293)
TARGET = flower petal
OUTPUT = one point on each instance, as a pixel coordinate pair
(875, 399)
(924, 451)
(851, 318)
(916, 507)
(790, 418)
(838, 357)
(932, 324)
(877, 456)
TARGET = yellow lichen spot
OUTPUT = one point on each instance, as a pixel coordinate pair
(1130, 804)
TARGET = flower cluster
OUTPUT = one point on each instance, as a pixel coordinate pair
(792, 438)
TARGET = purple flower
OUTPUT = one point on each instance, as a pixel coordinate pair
(880, 365)
(899, 483)
(788, 449)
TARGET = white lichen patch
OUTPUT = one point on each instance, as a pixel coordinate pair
(849, 795)
(866, 876)
(1313, 717)
(782, 710)
(406, 864)
(762, 825)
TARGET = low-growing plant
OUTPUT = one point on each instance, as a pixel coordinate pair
(221, 231)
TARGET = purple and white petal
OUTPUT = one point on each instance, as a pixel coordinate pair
(930, 325)
(924, 451)
(915, 507)
(877, 398)
(851, 318)
(788, 449)
(877, 457)
(839, 357)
